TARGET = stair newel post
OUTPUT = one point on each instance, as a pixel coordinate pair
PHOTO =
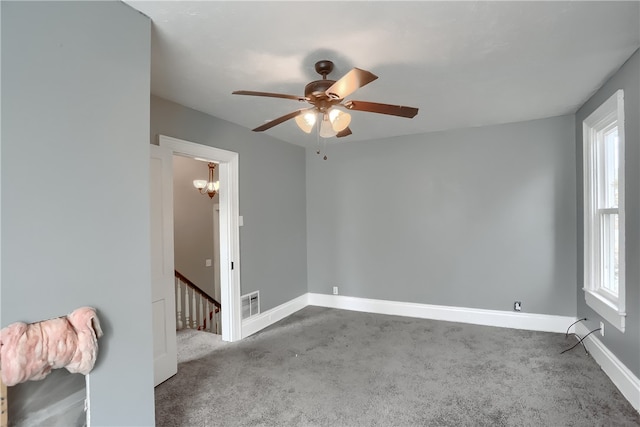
(194, 318)
(179, 324)
(187, 310)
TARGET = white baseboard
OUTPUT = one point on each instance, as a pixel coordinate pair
(620, 375)
(254, 324)
(504, 319)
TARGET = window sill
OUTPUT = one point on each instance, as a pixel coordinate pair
(605, 308)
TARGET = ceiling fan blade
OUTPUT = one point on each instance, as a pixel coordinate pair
(279, 120)
(349, 83)
(374, 107)
(269, 94)
(345, 132)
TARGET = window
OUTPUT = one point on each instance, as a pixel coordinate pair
(604, 252)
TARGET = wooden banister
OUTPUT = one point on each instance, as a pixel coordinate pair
(197, 289)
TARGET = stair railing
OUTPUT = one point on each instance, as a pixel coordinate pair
(195, 309)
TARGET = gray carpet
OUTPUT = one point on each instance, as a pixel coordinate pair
(326, 367)
(193, 344)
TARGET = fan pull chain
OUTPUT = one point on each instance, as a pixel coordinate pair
(319, 150)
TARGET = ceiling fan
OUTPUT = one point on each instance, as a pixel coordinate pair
(326, 96)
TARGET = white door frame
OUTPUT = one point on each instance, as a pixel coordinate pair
(229, 231)
(216, 251)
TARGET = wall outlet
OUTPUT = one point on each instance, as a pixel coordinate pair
(207, 262)
(335, 290)
(517, 306)
(602, 328)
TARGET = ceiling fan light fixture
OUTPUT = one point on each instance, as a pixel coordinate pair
(306, 121)
(339, 119)
(326, 127)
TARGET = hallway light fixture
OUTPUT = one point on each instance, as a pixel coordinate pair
(209, 187)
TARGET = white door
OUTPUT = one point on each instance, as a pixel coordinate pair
(165, 362)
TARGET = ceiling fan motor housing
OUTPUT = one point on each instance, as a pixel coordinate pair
(316, 91)
(316, 94)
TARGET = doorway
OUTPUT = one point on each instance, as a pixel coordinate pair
(195, 245)
(228, 213)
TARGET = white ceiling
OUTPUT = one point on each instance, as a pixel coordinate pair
(462, 64)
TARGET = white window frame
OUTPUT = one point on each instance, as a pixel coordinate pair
(607, 305)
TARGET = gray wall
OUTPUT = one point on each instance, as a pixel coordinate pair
(75, 173)
(193, 223)
(272, 198)
(475, 217)
(625, 346)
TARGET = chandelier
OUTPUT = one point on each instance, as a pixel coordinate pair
(209, 187)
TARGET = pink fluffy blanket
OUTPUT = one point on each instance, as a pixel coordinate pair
(30, 351)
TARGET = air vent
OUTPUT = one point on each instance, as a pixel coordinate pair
(250, 304)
